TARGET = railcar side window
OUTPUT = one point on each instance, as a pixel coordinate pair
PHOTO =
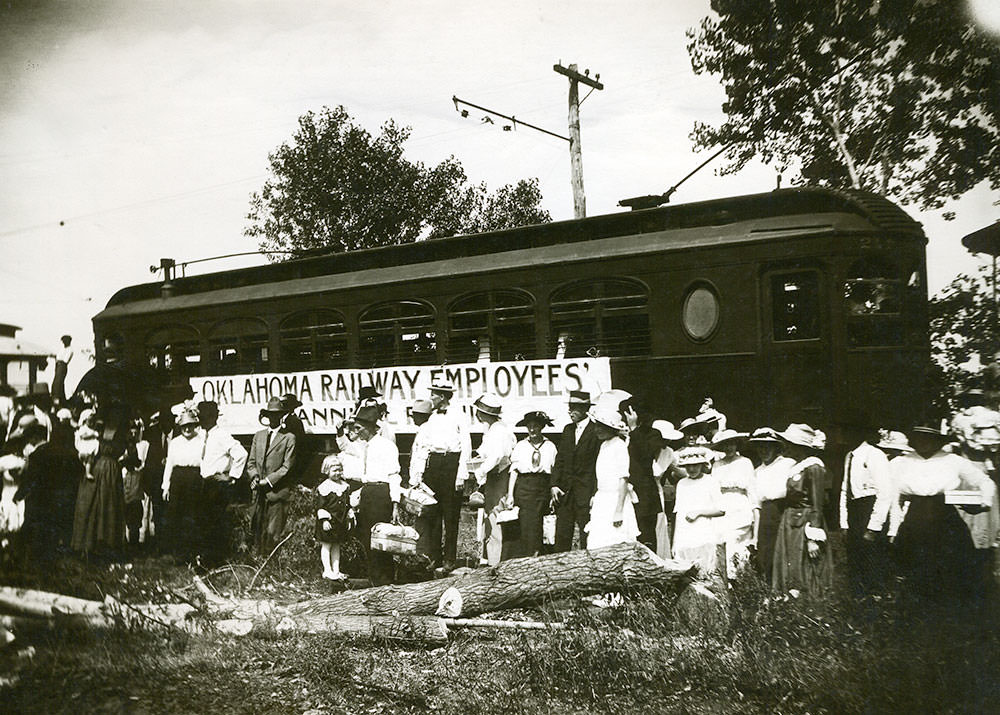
(174, 351)
(873, 299)
(399, 333)
(604, 317)
(700, 313)
(795, 306)
(238, 346)
(313, 340)
(494, 325)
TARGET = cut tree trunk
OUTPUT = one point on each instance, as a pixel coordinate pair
(515, 583)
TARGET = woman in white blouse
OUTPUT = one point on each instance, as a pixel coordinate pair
(182, 486)
(770, 487)
(935, 549)
(735, 475)
(529, 487)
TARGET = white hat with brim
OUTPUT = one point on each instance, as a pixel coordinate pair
(489, 404)
(607, 416)
(693, 455)
(802, 435)
(667, 430)
(442, 384)
(187, 417)
(727, 435)
(894, 440)
(765, 435)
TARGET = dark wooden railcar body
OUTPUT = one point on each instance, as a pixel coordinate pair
(794, 305)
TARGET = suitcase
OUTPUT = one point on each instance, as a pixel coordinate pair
(394, 538)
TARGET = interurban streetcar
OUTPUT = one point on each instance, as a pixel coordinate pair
(797, 305)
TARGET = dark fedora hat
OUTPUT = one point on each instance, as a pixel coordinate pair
(274, 407)
(368, 392)
(368, 416)
(290, 402)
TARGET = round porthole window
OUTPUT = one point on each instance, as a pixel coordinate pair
(701, 312)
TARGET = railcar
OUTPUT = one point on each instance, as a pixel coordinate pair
(796, 305)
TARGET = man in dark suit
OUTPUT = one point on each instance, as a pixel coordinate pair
(573, 477)
(272, 454)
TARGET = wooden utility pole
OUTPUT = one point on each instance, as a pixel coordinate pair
(575, 152)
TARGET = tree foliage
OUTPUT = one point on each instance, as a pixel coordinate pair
(964, 333)
(337, 187)
(900, 97)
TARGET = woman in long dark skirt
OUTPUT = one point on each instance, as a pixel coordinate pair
(770, 488)
(99, 516)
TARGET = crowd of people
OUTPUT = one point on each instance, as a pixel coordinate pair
(93, 478)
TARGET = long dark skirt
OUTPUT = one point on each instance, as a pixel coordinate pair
(793, 567)
(531, 496)
(184, 511)
(767, 534)
(936, 554)
(375, 506)
(99, 516)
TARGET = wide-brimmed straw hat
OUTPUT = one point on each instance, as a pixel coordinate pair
(422, 407)
(693, 455)
(803, 435)
(489, 404)
(929, 431)
(274, 407)
(889, 439)
(765, 435)
(727, 435)
(535, 416)
(608, 417)
(667, 430)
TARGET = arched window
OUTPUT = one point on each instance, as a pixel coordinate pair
(494, 325)
(399, 333)
(174, 351)
(314, 340)
(238, 346)
(873, 300)
(602, 317)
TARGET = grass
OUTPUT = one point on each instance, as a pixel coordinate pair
(760, 655)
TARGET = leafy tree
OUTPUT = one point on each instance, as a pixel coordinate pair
(336, 187)
(900, 97)
(965, 334)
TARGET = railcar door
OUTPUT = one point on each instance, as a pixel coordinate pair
(795, 346)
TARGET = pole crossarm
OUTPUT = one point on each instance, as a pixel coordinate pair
(581, 78)
(515, 121)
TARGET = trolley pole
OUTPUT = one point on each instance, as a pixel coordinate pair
(575, 151)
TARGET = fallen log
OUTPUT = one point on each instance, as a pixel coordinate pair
(515, 583)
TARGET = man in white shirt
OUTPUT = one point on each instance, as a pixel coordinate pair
(380, 490)
(443, 449)
(222, 462)
(493, 472)
(63, 358)
(865, 498)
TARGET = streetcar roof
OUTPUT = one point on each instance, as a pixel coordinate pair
(793, 212)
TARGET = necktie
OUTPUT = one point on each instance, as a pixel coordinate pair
(267, 443)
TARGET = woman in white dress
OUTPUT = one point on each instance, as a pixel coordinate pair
(612, 511)
(735, 475)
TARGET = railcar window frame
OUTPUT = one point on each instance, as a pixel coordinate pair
(870, 327)
(692, 288)
(772, 276)
(231, 351)
(594, 310)
(173, 368)
(403, 329)
(492, 336)
(319, 335)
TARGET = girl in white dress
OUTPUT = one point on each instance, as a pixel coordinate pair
(699, 506)
(612, 511)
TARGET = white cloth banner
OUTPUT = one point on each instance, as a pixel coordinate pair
(329, 396)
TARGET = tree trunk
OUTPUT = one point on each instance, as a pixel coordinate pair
(515, 583)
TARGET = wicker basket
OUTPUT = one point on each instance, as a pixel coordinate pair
(416, 502)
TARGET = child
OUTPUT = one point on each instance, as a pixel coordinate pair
(87, 440)
(698, 508)
(332, 516)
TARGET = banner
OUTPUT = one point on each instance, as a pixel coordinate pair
(329, 396)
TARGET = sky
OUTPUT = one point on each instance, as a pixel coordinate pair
(132, 130)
